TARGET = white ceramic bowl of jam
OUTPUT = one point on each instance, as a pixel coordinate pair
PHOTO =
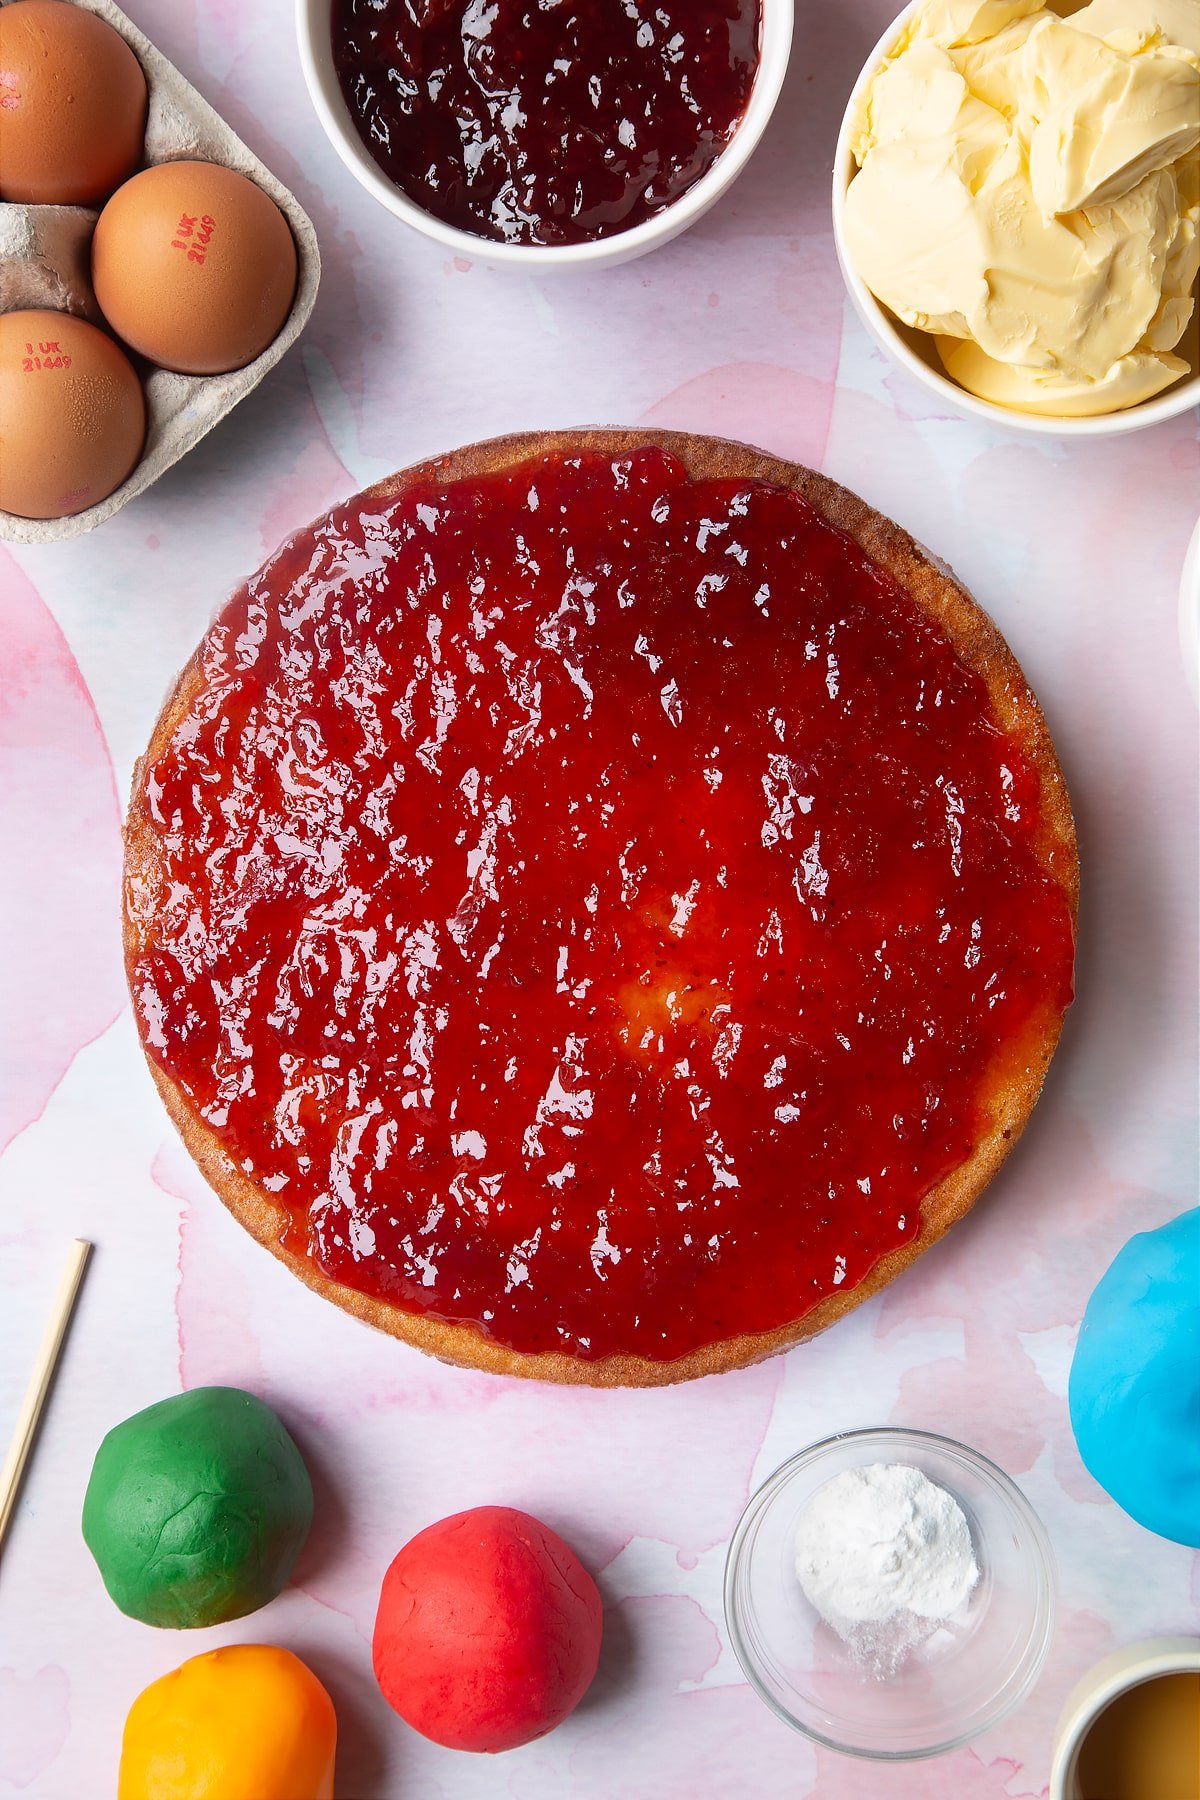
(1131, 1728)
(971, 1673)
(916, 351)
(316, 22)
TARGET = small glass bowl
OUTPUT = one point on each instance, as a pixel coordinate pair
(958, 1683)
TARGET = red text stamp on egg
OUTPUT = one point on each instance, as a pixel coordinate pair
(45, 354)
(194, 236)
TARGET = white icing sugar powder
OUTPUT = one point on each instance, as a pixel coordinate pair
(885, 1556)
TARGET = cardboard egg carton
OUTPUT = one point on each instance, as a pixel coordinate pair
(45, 255)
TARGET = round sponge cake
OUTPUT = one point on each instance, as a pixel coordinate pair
(600, 904)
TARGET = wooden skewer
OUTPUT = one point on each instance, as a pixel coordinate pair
(40, 1380)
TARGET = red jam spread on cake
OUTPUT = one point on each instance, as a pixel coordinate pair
(591, 901)
(545, 121)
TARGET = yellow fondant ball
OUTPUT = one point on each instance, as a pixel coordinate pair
(234, 1724)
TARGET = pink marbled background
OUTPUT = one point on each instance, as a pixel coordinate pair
(740, 328)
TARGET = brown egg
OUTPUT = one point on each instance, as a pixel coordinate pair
(72, 105)
(194, 267)
(72, 415)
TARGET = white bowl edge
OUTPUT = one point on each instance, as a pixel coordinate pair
(1189, 614)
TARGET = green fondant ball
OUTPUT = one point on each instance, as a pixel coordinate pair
(197, 1508)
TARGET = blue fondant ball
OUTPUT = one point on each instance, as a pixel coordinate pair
(1135, 1381)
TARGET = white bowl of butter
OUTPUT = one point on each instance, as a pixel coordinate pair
(1016, 208)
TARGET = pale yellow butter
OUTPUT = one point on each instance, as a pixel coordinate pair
(1029, 185)
(1143, 24)
(1099, 121)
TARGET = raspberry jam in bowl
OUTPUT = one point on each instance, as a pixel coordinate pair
(581, 132)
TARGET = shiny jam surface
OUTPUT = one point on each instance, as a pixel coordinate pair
(591, 901)
(545, 121)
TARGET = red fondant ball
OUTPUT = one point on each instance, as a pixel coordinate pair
(488, 1631)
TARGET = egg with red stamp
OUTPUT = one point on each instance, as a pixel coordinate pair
(73, 104)
(194, 267)
(488, 1630)
(72, 415)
